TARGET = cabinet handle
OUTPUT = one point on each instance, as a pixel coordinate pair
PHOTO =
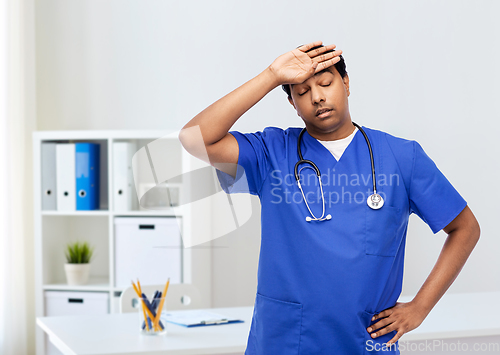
(146, 226)
(75, 300)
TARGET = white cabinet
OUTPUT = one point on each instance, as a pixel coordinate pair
(148, 249)
(60, 303)
(53, 228)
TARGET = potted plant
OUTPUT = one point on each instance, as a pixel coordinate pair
(78, 255)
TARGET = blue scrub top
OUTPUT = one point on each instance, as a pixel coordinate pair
(320, 283)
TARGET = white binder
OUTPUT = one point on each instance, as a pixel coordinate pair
(122, 175)
(66, 178)
(49, 190)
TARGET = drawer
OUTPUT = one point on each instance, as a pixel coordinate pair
(59, 303)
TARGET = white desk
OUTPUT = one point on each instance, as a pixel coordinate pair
(460, 315)
(119, 334)
(464, 316)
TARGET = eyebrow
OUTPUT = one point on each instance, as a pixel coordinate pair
(323, 71)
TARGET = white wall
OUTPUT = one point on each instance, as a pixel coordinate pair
(423, 70)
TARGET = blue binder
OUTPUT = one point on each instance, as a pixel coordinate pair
(87, 176)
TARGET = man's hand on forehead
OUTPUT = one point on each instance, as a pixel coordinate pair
(300, 64)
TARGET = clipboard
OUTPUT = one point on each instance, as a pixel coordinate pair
(197, 318)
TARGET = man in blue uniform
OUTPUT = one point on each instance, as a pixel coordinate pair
(331, 260)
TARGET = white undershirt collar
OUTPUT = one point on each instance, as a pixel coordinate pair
(338, 146)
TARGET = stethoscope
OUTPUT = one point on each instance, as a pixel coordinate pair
(374, 201)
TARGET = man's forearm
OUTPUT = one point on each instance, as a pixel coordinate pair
(217, 119)
(457, 248)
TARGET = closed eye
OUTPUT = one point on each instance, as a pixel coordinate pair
(320, 85)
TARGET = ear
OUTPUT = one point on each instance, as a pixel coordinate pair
(345, 79)
(290, 100)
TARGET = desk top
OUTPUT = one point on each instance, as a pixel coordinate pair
(459, 315)
(455, 316)
(119, 334)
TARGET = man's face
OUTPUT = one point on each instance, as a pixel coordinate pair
(325, 90)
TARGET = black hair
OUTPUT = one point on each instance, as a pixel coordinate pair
(340, 66)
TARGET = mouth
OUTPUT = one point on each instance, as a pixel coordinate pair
(324, 112)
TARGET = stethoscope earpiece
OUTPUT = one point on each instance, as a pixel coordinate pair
(309, 219)
(374, 201)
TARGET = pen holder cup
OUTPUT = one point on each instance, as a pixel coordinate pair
(148, 310)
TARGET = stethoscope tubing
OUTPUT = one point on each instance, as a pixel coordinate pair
(371, 157)
(312, 165)
(306, 161)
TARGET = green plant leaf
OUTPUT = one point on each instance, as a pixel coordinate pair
(78, 253)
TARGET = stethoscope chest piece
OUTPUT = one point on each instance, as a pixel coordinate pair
(375, 201)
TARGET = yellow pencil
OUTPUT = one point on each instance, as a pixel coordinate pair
(140, 292)
(144, 308)
(163, 297)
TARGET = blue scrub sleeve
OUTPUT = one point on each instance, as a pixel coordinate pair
(253, 164)
(432, 197)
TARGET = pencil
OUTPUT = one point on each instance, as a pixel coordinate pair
(164, 296)
(144, 308)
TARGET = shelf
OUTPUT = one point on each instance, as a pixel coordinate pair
(76, 213)
(119, 289)
(168, 213)
(54, 229)
(98, 134)
(94, 284)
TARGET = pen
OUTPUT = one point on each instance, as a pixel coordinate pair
(151, 307)
(143, 310)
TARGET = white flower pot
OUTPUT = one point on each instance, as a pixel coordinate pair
(77, 274)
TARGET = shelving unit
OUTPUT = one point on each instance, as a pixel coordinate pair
(53, 229)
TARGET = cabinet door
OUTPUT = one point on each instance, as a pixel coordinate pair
(148, 249)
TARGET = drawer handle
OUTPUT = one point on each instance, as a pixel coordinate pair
(75, 300)
(146, 226)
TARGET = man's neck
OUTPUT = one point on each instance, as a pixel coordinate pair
(341, 132)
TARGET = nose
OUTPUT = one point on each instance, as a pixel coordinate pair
(317, 95)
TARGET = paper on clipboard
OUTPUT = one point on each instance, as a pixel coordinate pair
(195, 317)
